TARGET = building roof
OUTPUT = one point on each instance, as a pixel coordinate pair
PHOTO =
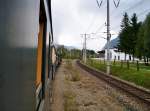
(113, 44)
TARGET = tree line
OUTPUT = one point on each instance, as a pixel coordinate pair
(74, 53)
(134, 37)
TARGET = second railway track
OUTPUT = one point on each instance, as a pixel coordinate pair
(139, 93)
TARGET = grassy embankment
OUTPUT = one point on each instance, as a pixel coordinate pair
(141, 77)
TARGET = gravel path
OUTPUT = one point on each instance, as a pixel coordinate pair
(57, 94)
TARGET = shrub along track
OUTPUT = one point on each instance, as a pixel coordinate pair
(135, 91)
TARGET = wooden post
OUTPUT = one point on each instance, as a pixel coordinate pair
(91, 62)
(138, 68)
(114, 62)
(128, 66)
(121, 63)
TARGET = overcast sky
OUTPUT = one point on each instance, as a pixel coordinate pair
(71, 18)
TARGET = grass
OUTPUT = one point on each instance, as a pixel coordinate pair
(74, 74)
(69, 101)
(141, 77)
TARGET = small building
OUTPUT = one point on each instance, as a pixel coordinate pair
(114, 53)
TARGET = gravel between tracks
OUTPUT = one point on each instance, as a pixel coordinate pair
(89, 93)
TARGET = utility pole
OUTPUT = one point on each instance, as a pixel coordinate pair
(85, 48)
(83, 52)
(108, 30)
(108, 38)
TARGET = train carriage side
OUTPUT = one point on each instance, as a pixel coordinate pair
(25, 37)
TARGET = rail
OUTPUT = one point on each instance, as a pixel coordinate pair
(138, 92)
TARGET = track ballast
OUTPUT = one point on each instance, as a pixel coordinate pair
(139, 93)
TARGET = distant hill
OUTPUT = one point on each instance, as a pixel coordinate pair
(67, 47)
(113, 44)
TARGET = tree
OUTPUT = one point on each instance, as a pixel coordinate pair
(134, 34)
(125, 22)
(90, 53)
(143, 41)
(147, 36)
(140, 51)
(124, 41)
(129, 34)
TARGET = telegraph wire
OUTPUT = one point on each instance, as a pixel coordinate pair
(138, 15)
(143, 12)
(130, 8)
(92, 22)
(116, 5)
(108, 33)
(134, 6)
(99, 28)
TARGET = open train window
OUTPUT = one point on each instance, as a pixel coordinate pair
(41, 53)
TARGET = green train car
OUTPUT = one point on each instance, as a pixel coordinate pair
(26, 36)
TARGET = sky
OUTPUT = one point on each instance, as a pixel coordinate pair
(73, 18)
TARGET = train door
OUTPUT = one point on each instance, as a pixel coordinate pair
(41, 53)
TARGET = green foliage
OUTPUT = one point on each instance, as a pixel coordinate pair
(74, 53)
(74, 73)
(125, 21)
(124, 34)
(69, 53)
(90, 53)
(141, 77)
(140, 43)
(134, 37)
(147, 35)
(143, 40)
(134, 34)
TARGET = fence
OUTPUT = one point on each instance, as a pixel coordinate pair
(122, 64)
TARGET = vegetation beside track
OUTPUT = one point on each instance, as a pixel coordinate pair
(70, 103)
(141, 77)
(74, 73)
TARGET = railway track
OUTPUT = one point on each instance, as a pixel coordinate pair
(135, 91)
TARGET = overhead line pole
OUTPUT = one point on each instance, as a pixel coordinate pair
(85, 48)
(108, 31)
(83, 52)
(108, 38)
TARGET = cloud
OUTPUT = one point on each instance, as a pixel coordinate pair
(74, 17)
